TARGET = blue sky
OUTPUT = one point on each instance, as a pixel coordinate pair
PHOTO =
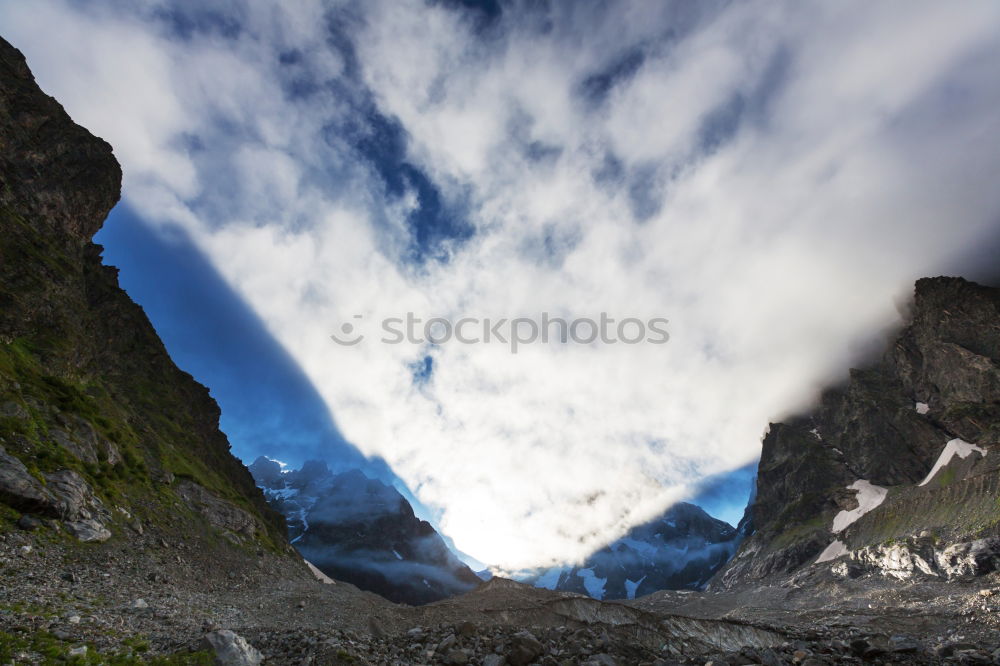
(771, 177)
(269, 407)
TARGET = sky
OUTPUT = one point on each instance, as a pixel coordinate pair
(768, 177)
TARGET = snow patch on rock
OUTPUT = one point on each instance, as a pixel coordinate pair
(869, 497)
(832, 552)
(593, 584)
(955, 447)
(320, 576)
(632, 586)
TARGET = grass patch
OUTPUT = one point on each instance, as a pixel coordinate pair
(798, 532)
(43, 646)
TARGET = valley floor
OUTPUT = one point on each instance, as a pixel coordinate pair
(146, 598)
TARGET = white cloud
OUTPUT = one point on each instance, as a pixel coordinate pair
(855, 157)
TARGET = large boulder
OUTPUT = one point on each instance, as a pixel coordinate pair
(22, 491)
(76, 499)
(972, 558)
(65, 495)
(524, 649)
(88, 530)
(231, 649)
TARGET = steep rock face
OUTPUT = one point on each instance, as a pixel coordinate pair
(682, 549)
(853, 478)
(364, 532)
(92, 408)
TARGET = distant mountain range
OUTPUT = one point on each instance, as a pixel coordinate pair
(364, 532)
(681, 549)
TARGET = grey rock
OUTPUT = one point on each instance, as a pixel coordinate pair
(456, 657)
(376, 628)
(973, 558)
(524, 649)
(231, 649)
(770, 658)
(904, 645)
(13, 410)
(28, 523)
(85, 442)
(21, 490)
(88, 531)
(218, 512)
(81, 450)
(493, 660)
(75, 496)
(858, 646)
(902, 560)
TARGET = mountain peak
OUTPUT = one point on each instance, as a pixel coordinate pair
(682, 548)
(363, 531)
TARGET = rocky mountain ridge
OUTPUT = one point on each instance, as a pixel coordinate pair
(680, 549)
(362, 531)
(897, 473)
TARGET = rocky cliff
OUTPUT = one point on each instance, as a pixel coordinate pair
(896, 473)
(363, 531)
(101, 435)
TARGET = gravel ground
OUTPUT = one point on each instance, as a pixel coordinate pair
(145, 597)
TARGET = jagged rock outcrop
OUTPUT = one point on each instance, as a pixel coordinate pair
(363, 531)
(916, 557)
(908, 446)
(681, 549)
(94, 415)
